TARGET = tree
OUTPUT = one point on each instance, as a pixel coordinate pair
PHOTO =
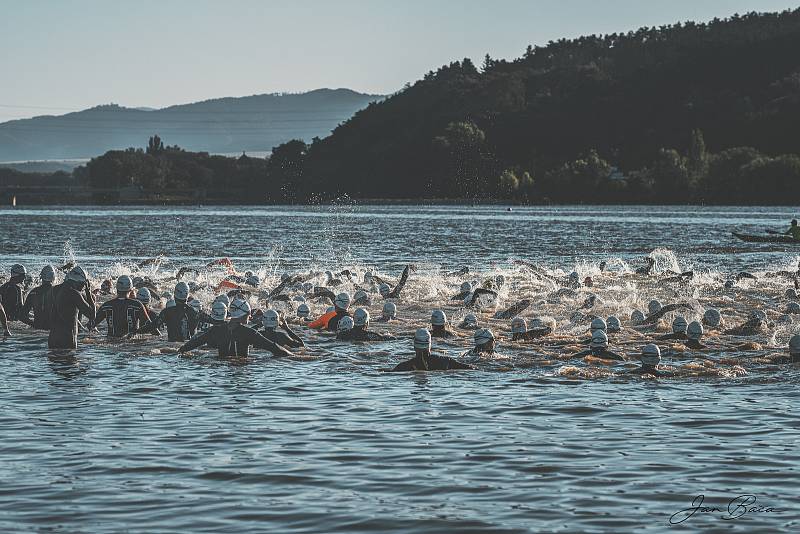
(509, 183)
(155, 145)
(697, 159)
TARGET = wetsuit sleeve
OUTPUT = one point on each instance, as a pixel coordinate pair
(455, 364)
(292, 335)
(25, 311)
(401, 284)
(612, 356)
(101, 314)
(3, 320)
(86, 308)
(582, 354)
(322, 322)
(403, 366)
(197, 341)
(257, 340)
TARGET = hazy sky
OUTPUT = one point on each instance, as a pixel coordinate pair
(57, 56)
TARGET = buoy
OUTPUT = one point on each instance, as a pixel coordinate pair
(14, 201)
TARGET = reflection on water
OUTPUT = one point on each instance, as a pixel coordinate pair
(118, 437)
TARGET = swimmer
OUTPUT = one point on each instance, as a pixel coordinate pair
(304, 312)
(439, 325)
(388, 292)
(712, 318)
(514, 310)
(520, 331)
(330, 320)
(423, 360)
(388, 313)
(694, 332)
(270, 320)
(180, 319)
(123, 315)
(599, 348)
(650, 358)
(143, 295)
(233, 338)
(71, 298)
(11, 293)
(647, 269)
(40, 301)
(679, 328)
(469, 322)
(360, 329)
(661, 311)
(613, 324)
(463, 292)
(479, 292)
(793, 230)
(4, 322)
(361, 298)
(484, 344)
(754, 326)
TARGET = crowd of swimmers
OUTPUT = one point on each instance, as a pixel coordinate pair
(231, 326)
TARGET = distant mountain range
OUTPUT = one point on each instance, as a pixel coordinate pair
(224, 125)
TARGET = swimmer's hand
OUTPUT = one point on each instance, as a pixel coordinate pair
(7, 333)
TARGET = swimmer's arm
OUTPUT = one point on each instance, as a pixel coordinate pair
(455, 364)
(25, 312)
(581, 354)
(257, 340)
(86, 305)
(291, 333)
(195, 342)
(401, 284)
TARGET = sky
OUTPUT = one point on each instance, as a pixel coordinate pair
(58, 56)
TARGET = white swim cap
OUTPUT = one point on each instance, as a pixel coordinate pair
(519, 325)
(219, 311)
(196, 305)
(758, 314)
(712, 318)
(361, 317)
(438, 318)
(124, 284)
(303, 311)
(170, 304)
(253, 281)
(240, 308)
(270, 319)
(77, 274)
(790, 294)
(143, 295)
(422, 339)
(694, 331)
(466, 287)
(637, 316)
(360, 295)
(654, 306)
(384, 289)
(471, 319)
(342, 301)
(223, 299)
(18, 270)
(613, 324)
(483, 336)
(389, 310)
(181, 291)
(793, 308)
(48, 274)
(345, 324)
(299, 298)
(330, 309)
(679, 325)
(651, 355)
(598, 324)
(599, 340)
(536, 323)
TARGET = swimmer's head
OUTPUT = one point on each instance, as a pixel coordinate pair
(466, 287)
(470, 321)
(303, 311)
(299, 298)
(519, 325)
(438, 318)
(196, 305)
(18, 271)
(654, 306)
(77, 277)
(345, 324)
(679, 325)
(694, 331)
(598, 324)
(384, 290)
(389, 310)
(361, 318)
(330, 309)
(124, 285)
(794, 345)
(794, 222)
(729, 284)
(651, 355)
(637, 316)
(170, 304)
(536, 324)
(224, 299)
(360, 296)
(342, 301)
(48, 274)
(613, 324)
(793, 308)
(219, 311)
(599, 340)
(240, 309)
(422, 339)
(484, 339)
(181, 291)
(270, 319)
(252, 281)
(790, 294)
(143, 295)
(712, 318)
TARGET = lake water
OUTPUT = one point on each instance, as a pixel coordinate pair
(133, 437)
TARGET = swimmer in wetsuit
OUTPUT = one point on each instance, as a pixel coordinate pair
(233, 338)
(599, 348)
(180, 319)
(793, 230)
(123, 315)
(360, 330)
(439, 325)
(270, 319)
(423, 360)
(40, 301)
(330, 320)
(651, 357)
(389, 292)
(4, 322)
(520, 331)
(484, 344)
(679, 328)
(71, 298)
(12, 296)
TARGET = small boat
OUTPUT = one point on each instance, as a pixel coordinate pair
(767, 238)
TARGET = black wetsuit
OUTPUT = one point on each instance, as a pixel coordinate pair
(360, 333)
(68, 305)
(648, 371)
(123, 316)
(532, 334)
(441, 332)
(681, 336)
(181, 321)
(233, 339)
(204, 322)
(395, 292)
(333, 323)
(431, 362)
(599, 353)
(40, 300)
(281, 339)
(12, 299)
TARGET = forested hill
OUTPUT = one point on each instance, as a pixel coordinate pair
(688, 112)
(223, 125)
